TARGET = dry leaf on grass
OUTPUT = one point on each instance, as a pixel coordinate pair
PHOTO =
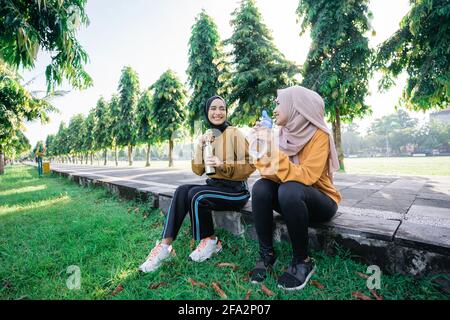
(360, 296)
(154, 286)
(219, 291)
(117, 290)
(375, 294)
(267, 291)
(196, 283)
(317, 284)
(247, 296)
(362, 275)
(226, 264)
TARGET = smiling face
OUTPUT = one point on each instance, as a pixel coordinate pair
(281, 118)
(217, 112)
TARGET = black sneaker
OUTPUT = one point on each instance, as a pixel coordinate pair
(297, 275)
(264, 265)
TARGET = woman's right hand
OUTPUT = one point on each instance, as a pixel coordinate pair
(202, 139)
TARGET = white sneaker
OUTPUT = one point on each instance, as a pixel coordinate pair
(160, 253)
(206, 249)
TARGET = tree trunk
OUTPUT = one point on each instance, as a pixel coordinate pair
(170, 153)
(338, 139)
(115, 156)
(105, 155)
(92, 158)
(2, 161)
(130, 155)
(147, 164)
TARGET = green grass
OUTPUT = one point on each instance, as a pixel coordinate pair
(399, 165)
(48, 224)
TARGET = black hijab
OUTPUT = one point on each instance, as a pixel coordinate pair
(222, 126)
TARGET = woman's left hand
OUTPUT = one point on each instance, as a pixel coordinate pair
(213, 161)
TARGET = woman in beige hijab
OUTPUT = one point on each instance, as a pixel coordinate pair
(297, 182)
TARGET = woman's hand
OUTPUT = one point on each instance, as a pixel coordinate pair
(202, 139)
(213, 161)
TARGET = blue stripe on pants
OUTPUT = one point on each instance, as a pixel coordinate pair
(211, 196)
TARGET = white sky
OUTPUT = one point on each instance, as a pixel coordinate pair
(152, 36)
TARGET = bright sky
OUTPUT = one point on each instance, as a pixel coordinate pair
(152, 36)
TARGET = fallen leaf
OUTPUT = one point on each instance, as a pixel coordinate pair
(317, 284)
(226, 264)
(247, 296)
(375, 294)
(136, 210)
(267, 291)
(219, 291)
(157, 285)
(362, 275)
(245, 279)
(117, 290)
(197, 283)
(360, 296)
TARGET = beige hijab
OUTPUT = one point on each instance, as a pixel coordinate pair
(305, 109)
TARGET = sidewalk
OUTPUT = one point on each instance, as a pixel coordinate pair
(401, 224)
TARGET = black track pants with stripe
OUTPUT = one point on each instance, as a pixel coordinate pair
(199, 201)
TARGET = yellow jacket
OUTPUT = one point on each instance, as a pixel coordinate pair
(231, 147)
(312, 170)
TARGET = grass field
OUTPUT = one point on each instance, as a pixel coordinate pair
(399, 165)
(48, 224)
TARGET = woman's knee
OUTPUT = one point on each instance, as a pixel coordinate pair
(262, 189)
(291, 193)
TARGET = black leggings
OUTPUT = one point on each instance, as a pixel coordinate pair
(297, 203)
(199, 201)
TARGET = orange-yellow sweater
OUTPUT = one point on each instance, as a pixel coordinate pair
(312, 170)
(231, 147)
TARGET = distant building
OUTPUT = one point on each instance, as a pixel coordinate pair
(443, 116)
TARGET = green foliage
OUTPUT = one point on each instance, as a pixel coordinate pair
(338, 65)
(114, 113)
(260, 68)
(26, 26)
(102, 126)
(168, 112)
(144, 121)
(398, 134)
(16, 106)
(18, 145)
(421, 47)
(88, 140)
(208, 70)
(129, 95)
(75, 133)
(61, 141)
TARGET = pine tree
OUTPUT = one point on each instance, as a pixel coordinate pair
(260, 68)
(145, 124)
(103, 139)
(208, 70)
(338, 65)
(169, 111)
(421, 47)
(129, 95)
